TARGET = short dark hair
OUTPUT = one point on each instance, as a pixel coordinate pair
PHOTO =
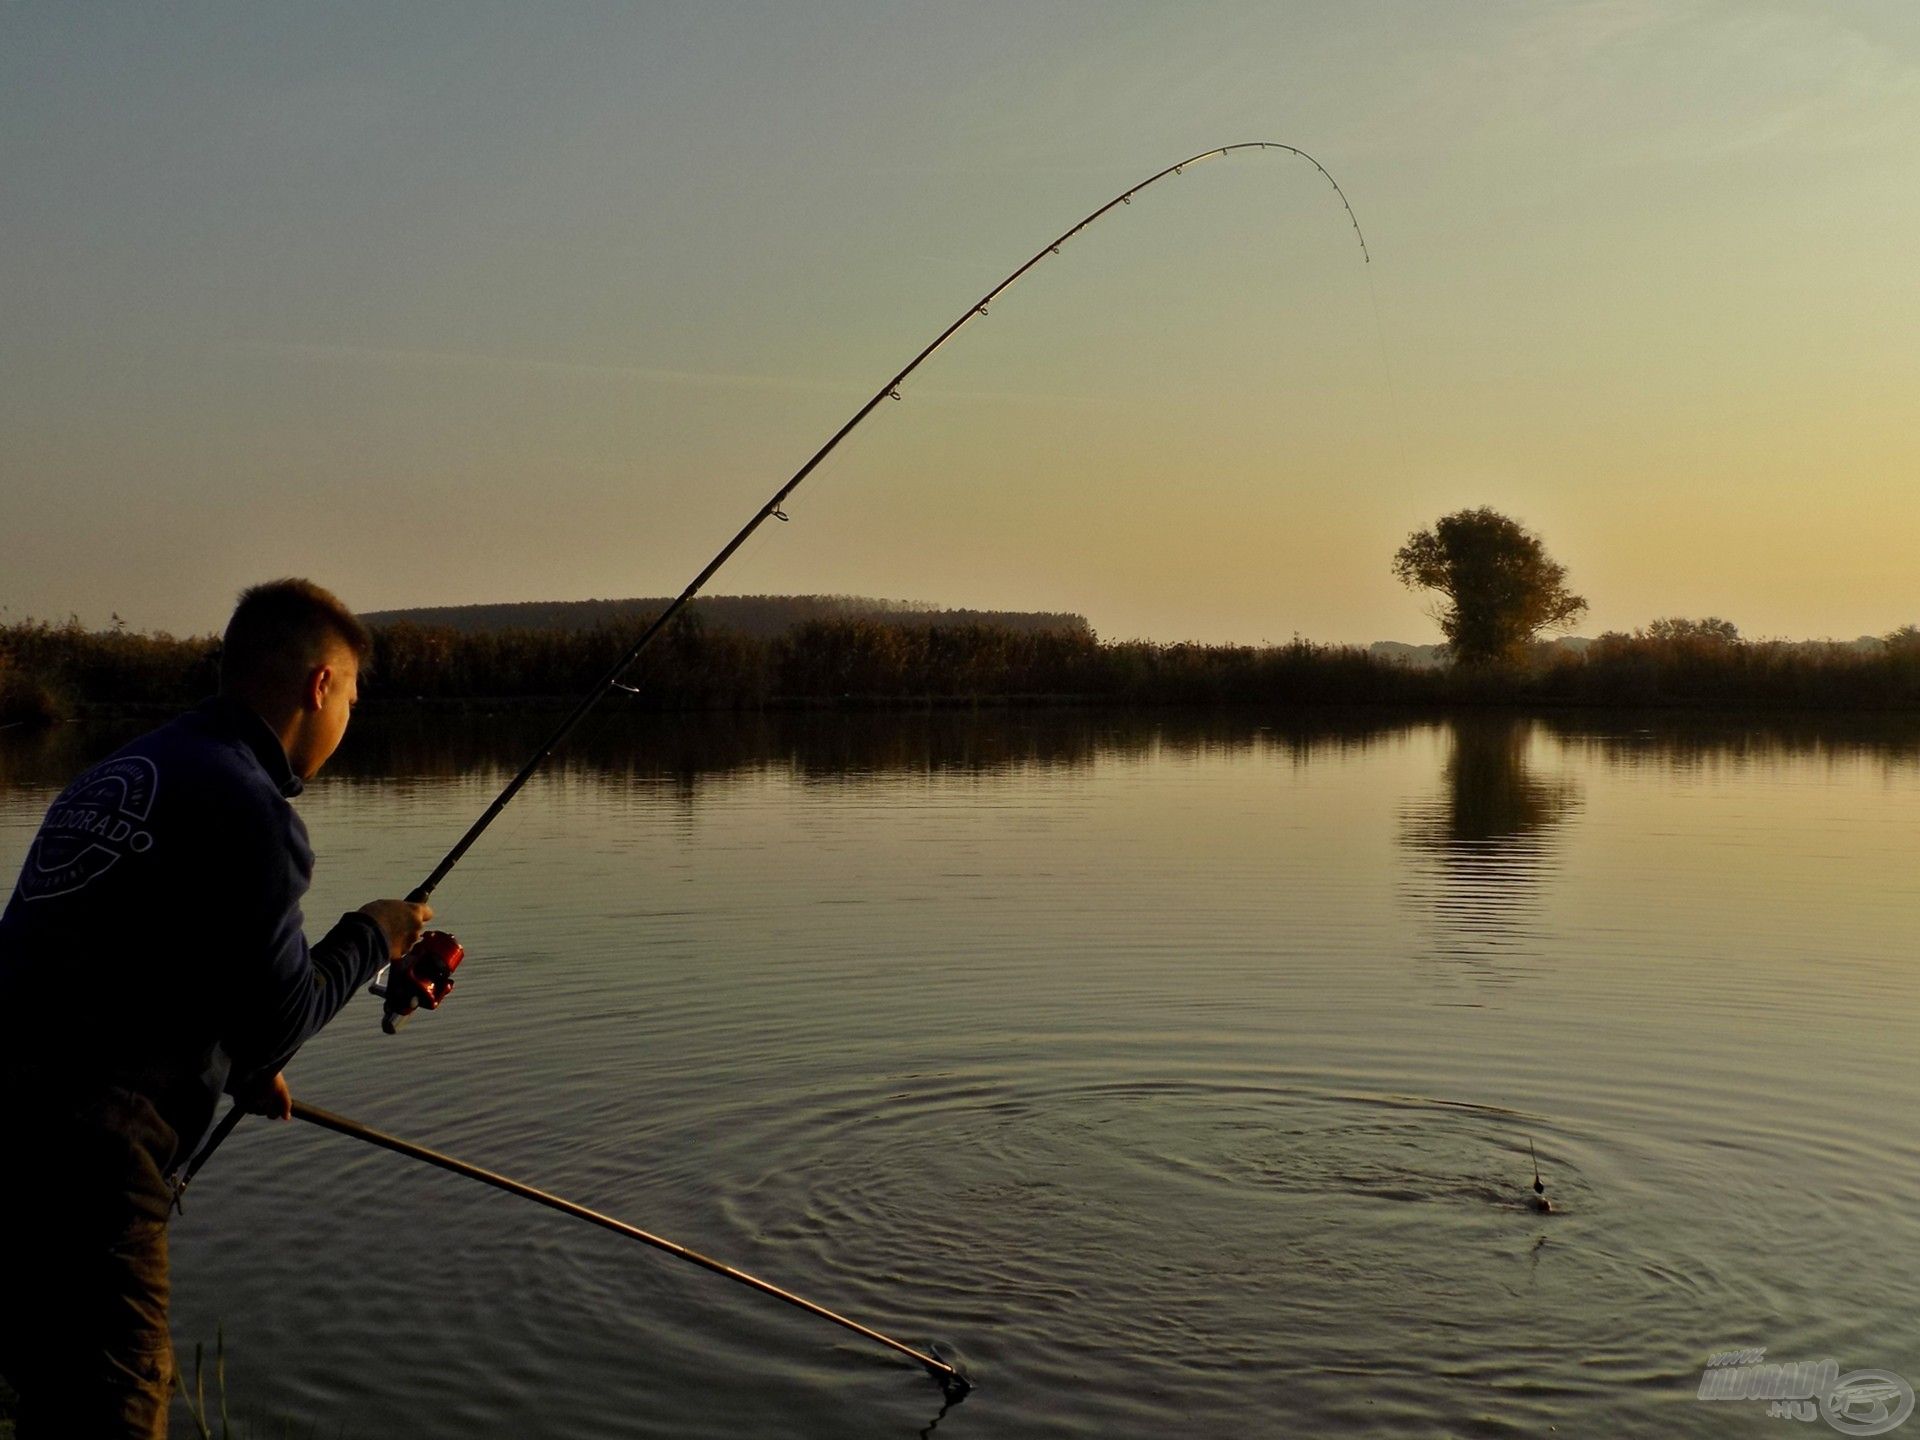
(281, 629)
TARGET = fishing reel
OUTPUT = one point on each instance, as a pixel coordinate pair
(419, 979)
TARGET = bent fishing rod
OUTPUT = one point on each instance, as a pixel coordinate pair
(951, 1380)
(771, 509)
(423, 977)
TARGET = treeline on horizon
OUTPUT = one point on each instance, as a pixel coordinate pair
(53, 672)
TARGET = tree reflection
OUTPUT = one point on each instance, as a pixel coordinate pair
(1487, 843)
(1492, 798)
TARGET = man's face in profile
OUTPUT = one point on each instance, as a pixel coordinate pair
(332, 690)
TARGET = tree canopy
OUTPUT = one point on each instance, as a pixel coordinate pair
(1497, 585)
(1711, 631)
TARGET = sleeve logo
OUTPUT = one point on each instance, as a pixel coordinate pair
(97, 819)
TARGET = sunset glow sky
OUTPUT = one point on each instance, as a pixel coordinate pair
(446, 303)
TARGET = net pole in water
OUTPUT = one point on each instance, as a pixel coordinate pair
(946, 1374)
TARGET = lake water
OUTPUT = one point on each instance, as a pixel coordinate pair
(1179, 1075)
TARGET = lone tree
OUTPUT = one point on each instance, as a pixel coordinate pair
(1498, 586)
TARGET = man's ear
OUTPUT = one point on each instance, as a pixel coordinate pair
(319, 685)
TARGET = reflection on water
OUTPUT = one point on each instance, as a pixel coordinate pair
(1492, 801)
(1485, 846)
(1490, 789)
(1682, 742)
(1178, 1072)
(833, 747)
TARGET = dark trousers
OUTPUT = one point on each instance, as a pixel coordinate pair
(83, 1269)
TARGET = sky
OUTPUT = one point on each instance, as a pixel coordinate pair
(439, 303)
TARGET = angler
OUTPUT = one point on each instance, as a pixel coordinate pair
(151, 957)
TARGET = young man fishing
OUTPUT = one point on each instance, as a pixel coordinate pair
(152, 957)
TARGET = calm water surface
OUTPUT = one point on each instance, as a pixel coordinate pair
(1177, 1075)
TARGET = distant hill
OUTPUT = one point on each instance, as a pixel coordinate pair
(761, 616)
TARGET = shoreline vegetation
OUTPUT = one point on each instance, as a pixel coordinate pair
(55, 672)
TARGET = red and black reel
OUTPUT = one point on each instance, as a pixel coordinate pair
(419, 979)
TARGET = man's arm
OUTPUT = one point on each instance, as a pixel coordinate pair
(283, 990)
(286, 994)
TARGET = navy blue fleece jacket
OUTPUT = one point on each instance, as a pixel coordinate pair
(154, 940)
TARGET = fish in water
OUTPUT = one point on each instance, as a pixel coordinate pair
(1538, 1200)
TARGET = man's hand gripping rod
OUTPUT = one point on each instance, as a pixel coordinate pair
(419, 979)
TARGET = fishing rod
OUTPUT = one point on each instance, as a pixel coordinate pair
(423, 977)
(771, 509)
(951, 1380)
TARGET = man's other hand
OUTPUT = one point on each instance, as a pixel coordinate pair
(269, 1097)
(401, 921)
